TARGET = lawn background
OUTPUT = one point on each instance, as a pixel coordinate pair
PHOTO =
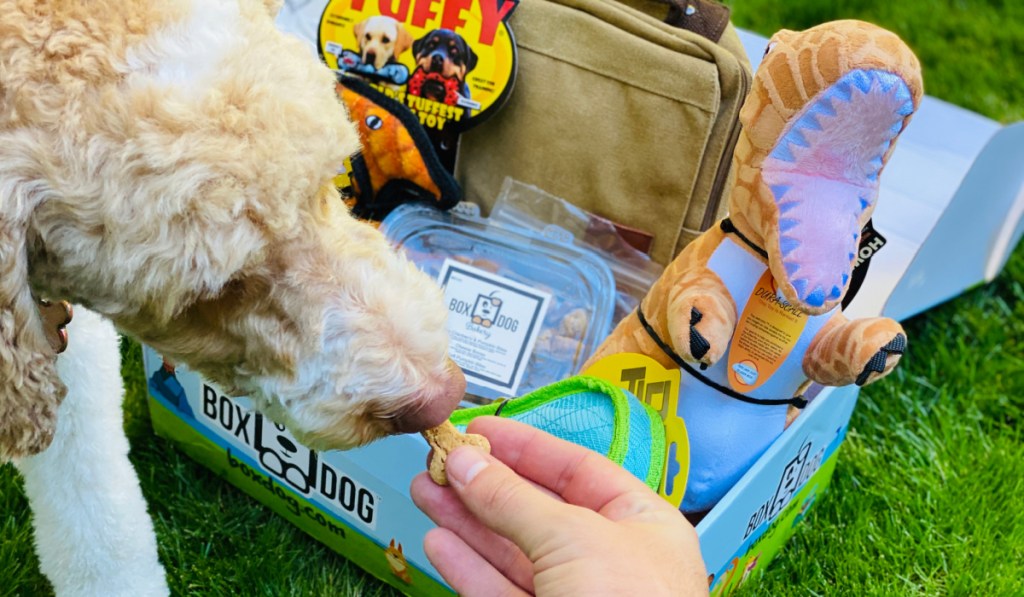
(927, 496)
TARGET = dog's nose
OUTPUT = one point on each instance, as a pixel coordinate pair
(432, 411)
(436, 62)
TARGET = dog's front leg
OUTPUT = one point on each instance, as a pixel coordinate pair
(93, 534)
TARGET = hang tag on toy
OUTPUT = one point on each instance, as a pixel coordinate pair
(451, 62)
(646, 379)
(766, 333)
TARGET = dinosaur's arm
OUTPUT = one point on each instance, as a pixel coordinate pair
(701, 316)
(859, 351)
(688, 307)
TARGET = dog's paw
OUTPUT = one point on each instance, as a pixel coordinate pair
(883, 361)
(700, 328)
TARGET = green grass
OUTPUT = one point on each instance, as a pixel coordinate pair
(926, 498)
(970, 50)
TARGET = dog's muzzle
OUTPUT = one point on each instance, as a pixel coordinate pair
(431, 411)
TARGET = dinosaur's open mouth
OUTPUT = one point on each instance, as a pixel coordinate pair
(823, 173)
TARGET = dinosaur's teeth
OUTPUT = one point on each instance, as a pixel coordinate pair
(862, 81)
(903, 92)
(888, 83)
(800, 286)
(787, 224)
(816, 298)
(846, 278)
(809, 122)
(782, 152)
(791, 268)
(787, 206)
(779, 190)
(794, 137)
(836, 293)
(843, 91)
(787, 244)
(864, 203)
(823, 107)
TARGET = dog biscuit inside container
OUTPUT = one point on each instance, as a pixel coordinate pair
(524, 311)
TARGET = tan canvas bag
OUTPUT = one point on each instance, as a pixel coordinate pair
(619, 112)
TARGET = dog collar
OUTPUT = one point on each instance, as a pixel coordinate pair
(797, 401)
(56, 316)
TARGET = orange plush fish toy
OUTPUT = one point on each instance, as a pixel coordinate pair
(398, 163)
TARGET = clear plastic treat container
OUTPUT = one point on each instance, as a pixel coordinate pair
(524, 310)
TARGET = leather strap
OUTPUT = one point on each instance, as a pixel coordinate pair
(704, 17)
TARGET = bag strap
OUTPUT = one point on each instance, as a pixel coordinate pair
(706, 18)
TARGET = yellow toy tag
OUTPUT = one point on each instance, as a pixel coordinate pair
(343, 179)
(767, 331)
(658, 387)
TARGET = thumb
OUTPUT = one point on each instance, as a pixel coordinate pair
(503, 501)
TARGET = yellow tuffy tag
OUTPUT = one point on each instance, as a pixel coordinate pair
(767, 331)
(343, 179)
(643, 377)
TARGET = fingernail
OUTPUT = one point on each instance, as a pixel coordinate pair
(463, 464)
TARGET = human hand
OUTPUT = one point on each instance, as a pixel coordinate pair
(543, 516)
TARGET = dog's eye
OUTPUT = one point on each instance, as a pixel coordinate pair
(770, 47)
(385, 39)
(367, 37)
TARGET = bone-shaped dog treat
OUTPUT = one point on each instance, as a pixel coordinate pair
(443, 439)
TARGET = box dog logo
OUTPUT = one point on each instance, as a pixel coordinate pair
(285, 460)
(283, 457)
(486, 309)
(796, 473)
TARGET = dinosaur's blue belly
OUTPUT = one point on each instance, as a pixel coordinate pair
(726, 435)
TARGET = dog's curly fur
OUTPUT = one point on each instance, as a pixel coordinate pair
(169, 165)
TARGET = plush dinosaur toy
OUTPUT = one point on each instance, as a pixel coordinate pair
(749, 310)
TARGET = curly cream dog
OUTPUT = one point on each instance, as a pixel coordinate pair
(168, 165)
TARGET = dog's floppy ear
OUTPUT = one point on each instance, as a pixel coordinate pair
(359, 29)
(417, 46)
(404, 40)
(470, 55)
(30, 389)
